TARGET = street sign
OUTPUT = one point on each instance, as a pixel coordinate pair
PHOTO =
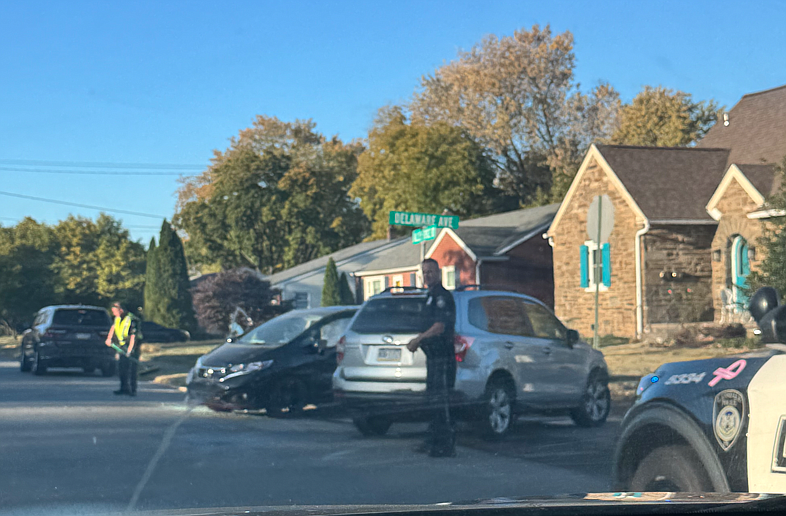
(605, 220)
(408, 218)
(421, 235)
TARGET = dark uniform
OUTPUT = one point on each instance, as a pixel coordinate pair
(441, 371)
(127, 368)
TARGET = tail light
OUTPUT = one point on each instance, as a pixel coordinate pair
(461, 345)
(53, 334)
(340, 346)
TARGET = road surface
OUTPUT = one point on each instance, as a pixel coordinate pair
(68, 444)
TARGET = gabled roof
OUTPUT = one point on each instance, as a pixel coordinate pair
(758, 181)
(318, 265)
(764, 177)
(493, 235)
(668, 183)
(756, 132)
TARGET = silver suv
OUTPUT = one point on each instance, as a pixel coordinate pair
(514, 357)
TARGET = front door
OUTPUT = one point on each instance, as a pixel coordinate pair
(740, 269)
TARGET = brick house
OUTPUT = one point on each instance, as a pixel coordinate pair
(506, 249)
(685, 220)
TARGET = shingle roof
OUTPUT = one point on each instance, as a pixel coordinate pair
(763, 177)
(668, 183)
(320, 263)
(485, 236)
(757, 129)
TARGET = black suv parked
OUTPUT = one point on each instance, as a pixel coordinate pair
(68, 336)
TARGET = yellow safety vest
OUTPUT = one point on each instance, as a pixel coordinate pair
(121, 329)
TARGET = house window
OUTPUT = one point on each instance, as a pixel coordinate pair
(591, 256)
(301, 300)
(413, 279)
(398, 281)
(374, 285)
(449, 277)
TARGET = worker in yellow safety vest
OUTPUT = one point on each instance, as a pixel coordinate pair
(125, 333)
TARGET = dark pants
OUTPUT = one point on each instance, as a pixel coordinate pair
(440, 379)
(127, 371)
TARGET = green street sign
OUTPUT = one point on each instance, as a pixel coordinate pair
(421, 235)
(408, 218)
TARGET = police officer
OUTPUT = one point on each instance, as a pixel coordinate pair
(437, 344)
(125, 333)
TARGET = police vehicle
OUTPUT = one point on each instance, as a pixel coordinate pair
(712, 425)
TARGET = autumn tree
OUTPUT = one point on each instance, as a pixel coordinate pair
(279, 196)
(660, 117)
(518, 97)
(415, 167)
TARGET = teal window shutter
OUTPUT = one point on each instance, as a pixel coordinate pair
(606, 252)
(584, 259)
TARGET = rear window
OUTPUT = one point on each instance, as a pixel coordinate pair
(80, 317)
(392, 315)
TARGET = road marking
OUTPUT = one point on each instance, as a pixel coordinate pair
(168, 435)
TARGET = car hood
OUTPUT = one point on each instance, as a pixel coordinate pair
(593, 504)
(230, 354)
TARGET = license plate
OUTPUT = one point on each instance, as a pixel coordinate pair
(389, 355)
(83, 336)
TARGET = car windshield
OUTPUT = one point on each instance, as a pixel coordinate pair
(391, 255)
(397, 315)
(279, 331)
(80, 317)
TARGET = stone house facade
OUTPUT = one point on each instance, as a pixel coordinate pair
(686, 224)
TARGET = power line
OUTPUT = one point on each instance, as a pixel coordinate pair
(98, 164)
(78, 205)
(90, 172)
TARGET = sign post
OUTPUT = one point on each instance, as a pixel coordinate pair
(428, 223)
(600, 221)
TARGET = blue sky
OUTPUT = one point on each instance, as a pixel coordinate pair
(168, 82)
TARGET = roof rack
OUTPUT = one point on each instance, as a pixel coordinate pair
(404, 289)
(505, 288)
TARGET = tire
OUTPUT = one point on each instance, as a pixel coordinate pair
(287, 397)
(108, 370)
(498, 409)
(24, 363)
(669, 469)
(595, 403)
(372, 426)
(37, 367)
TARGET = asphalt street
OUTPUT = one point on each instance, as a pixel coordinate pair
(68, 444)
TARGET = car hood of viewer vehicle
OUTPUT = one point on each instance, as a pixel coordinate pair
(592, 504)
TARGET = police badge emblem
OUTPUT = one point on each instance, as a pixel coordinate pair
(727, 415)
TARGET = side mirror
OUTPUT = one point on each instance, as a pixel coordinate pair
(572, 337)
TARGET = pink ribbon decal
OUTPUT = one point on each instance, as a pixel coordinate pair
(727, 373)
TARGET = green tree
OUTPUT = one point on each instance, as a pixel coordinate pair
(97, 262)
(414, 167)
(331, 288)
(152, 295)
(660, 117)
(773, 243)
(517, 95)
(27, 279)
(276, 198)
(173, 304)
(345, 293)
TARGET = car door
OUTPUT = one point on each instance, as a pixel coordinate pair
(30, 336)
(509, 334)
(325, 336)
(562, 370)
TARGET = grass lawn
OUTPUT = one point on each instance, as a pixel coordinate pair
(169, 363)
